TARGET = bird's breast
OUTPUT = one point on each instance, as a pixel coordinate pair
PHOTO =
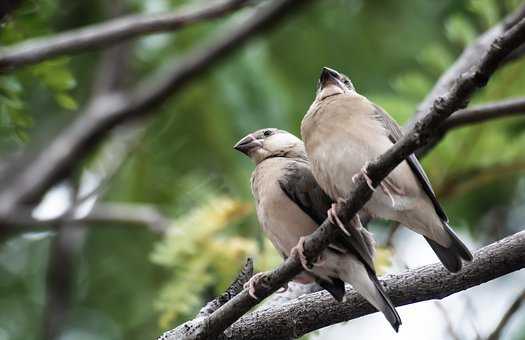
(281, 219)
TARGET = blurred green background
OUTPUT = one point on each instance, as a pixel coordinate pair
(131, 283)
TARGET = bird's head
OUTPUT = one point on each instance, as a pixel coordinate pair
(271, 142)
(332, 83)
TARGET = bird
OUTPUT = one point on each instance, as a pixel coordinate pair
(342, 132)
(291, 205)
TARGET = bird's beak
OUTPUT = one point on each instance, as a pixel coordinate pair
(247, 144)
(329, 76)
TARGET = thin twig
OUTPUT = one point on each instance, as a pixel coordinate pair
(450, 326)
(110, 32)
(483, 113)
(127, 214)
(514, 307)
(58, 159)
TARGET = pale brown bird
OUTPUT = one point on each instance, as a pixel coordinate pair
(342, 131)
(290, 205)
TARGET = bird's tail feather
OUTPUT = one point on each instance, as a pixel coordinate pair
(365, 282)
(451, 256)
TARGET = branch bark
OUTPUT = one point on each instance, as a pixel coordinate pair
(476, 115)
(110, 32)
(468, 59)
(318, 310)
(454, 99)
(483, 113)
(72, 145)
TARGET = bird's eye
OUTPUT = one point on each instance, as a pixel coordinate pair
(267, 132)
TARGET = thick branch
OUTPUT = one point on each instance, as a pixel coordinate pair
(468, 59)
(378, 169)
(109, 32)
(73, 144)
(429, 282)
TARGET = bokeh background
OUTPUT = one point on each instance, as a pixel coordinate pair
(127, 281)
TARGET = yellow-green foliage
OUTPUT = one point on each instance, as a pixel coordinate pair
(200, 256)
(383, 259)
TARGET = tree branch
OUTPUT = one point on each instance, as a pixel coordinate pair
(58, 159)
(468, 59)
(377, 170)
(192, 329)
(514, 307)
(103, 213)
(109, 32)
(318, 310)
(476, 115)
(483, 113)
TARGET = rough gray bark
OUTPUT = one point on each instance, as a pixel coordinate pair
(455, 98)
(109, 32)
(318, 310)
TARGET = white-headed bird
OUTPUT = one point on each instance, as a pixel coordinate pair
(343, 131)
(290, 205)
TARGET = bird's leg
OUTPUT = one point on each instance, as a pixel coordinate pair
(385, 189)
(299, 249)
(250, 285)
(334, 219)
(386, 185)
(365, 175)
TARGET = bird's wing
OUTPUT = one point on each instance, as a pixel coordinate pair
(395, 134)
(299, 184)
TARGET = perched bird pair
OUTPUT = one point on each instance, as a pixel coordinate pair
(295, 185)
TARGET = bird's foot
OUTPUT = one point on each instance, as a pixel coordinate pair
(334, 219)
(365, 175)
(299, 249)
(388, 193)
(250, 285)
(389, 187)
(283, 289)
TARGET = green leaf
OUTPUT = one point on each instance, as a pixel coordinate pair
(66, 101)
(20, 119)
(22, 135)
(460, 30)
(487, 10)
(10, 84)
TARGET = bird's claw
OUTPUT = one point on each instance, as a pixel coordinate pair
(299, 249)
(334, 219)
(250, 285)
(384, 186)
(385, 189)
(365, 175)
